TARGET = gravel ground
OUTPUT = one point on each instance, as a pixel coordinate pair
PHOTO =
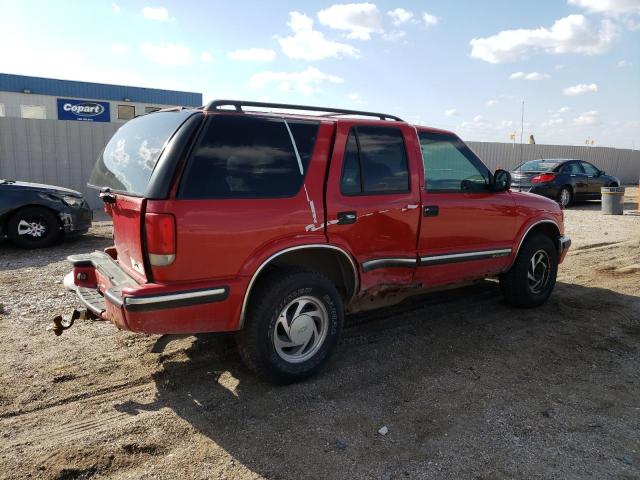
(467, 387)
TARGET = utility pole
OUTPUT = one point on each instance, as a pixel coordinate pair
(521, 132)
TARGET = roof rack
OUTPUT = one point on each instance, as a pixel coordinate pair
(329, 112)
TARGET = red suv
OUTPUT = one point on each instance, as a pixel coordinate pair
(274, 224)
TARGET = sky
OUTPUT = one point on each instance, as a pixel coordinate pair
(462, 65)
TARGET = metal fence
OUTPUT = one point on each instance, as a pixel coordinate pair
(63, 153)
(624, 164)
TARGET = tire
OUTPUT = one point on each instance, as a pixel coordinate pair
(304, 300)
(33, 227)
(565, 197)
(518, 287)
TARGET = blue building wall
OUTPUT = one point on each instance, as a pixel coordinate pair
(96, 91)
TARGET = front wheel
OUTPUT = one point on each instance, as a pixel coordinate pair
(532, 276)
(33, 227)
(293, 324)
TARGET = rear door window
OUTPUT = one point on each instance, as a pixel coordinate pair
(241, 156)
(572, 168)
(375, 162)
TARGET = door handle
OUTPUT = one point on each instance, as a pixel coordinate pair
(430, 211)
(347, 218)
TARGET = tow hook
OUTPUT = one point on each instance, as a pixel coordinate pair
(60, 323)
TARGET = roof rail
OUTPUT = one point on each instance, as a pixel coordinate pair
(238, 104)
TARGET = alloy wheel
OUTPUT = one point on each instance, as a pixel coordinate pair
(32, 227)
(300, 329)
(539, 271)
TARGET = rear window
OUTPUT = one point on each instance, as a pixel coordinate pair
(538, 166)
(241, 156)
(129, 158)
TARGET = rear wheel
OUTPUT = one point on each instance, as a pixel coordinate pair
(565, 196)
(293, 325)
(532, 276)
(33, 227)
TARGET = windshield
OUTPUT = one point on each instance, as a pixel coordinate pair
(131, 155)
(538, 165)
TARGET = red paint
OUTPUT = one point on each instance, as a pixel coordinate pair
(544, 178)
(224, 242)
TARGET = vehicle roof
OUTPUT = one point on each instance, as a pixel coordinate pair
(332, 118)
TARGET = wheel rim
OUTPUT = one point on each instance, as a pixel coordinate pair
(565, 196)
(539, 271)
(300, 329)
(31, 227)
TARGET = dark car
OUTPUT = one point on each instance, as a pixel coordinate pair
(33, 215)
(564, 180)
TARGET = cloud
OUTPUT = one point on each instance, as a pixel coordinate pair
(571, 34)
(492, 103)
(166, 53)
(623, 63)
(430, 20)
(359, 19)
(395, 35)
(206, 57)
(119, 48)
(529, 76)
(478, 118)
(115, 8)
(400, 16)
(252, 55)
(156, 13)
(586, 118)
(307, 81)
(553, 122)
(452, 112)
(309, 44)
(356, 98)
(580, 89)
(609, 7)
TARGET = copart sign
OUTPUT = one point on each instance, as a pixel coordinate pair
(83, 110)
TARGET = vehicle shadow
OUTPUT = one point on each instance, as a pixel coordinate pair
(461, 380)
(14, 258)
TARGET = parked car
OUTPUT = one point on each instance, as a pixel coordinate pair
(33, 215)
(273, 225)
(564, 180)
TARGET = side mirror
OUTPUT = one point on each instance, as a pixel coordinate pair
(601, 172)
(501, 181)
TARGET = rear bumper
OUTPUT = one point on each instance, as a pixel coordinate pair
(111, 294)
(548, 191)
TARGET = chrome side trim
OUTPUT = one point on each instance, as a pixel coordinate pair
(291, 249)
(389, 263)
(464, 257)
(215, 292)
(527, 233)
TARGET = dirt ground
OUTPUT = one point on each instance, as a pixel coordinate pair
(468, 387)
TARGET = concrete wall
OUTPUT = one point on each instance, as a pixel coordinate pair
(63, 153)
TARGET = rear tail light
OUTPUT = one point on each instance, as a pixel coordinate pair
(160, 229)
(544, 178)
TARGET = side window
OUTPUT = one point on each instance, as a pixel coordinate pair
(590, 169)
(248, 157)
(375, 162)
(572, 168)
(450, 166)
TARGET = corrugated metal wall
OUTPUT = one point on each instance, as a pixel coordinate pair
(63, 153)
(625, 164)
(53, 151)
